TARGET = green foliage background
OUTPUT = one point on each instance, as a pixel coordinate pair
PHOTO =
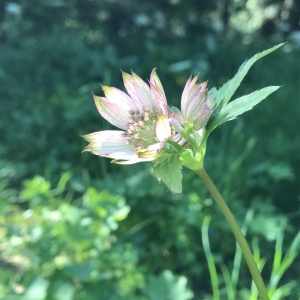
(74, 226)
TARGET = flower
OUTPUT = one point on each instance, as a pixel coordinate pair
(196, 107)
(142, 115)
(146, 120)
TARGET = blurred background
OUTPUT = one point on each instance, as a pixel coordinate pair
(74, 226)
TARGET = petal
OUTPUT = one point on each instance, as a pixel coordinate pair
(115, 95)
(127, 79)
(114, 113)
(189, 89)
(154, 79)
(198, 111)
(139, 91)
(110, 143)
(185, 93)
(132, 161)
(175, 113)
(158, 93)
(194, 105)
(163, 128)
(151, 152)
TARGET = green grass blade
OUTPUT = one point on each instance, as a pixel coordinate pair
(238, 252)
(210, 260)
(228, 283)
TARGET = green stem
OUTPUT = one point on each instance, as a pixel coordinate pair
(237, 232)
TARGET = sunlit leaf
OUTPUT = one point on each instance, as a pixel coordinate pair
(169, 171)
(225, 93)
(241, 105)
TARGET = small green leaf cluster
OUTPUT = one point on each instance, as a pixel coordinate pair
(62, 243)
(61, 238)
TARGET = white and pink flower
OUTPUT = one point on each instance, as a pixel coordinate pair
(196, 107)
(145, 118)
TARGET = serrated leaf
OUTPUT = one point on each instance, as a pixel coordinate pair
(169, 171)
(165, 154)
(225, 93)
(241, 105)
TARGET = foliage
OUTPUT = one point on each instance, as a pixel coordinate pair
(280, 265)
(53, 55)
(58, 244)
(62, 247)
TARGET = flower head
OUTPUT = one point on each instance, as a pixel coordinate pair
(143, 116)
(196, 107)
(145, 119)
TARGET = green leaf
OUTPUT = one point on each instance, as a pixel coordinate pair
(176, 147)
(83, 271)
(167, 286)
(37, 289)
(191, 161)
(225, 93)
(240, 105)
(63, 290)
(169, 171)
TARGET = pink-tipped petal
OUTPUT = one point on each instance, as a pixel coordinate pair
(143, 88)
(195, 103)
(154, 79)
(114, 113)
(185, 93)
(189, 89)
(139, 91)
(195, 107)
(115, 95)
(110, 143)
(160, 99)
(127, 79)
(199, 110)
(163, 128)
(158, 92)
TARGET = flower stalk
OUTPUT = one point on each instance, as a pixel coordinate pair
(237, 232)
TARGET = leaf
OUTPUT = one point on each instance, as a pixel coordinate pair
(37, 289)
(225, 93)
(167, 286)
(240, 105)
(169, 171)
(83, 271)
(63, 290)
(193, 161)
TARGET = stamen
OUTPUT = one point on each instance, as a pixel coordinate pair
(141, 132)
